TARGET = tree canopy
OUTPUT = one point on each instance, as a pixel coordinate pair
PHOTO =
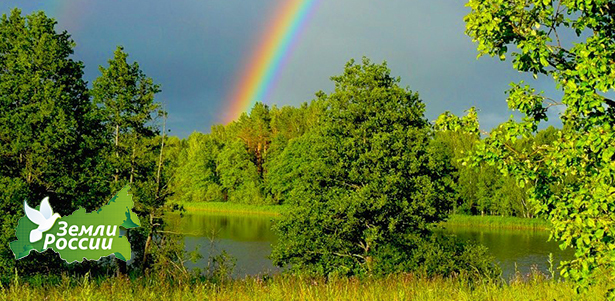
(77, 146)
(368, 186)
(573, 42)
(49, 143)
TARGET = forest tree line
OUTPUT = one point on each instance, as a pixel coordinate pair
(246, 161)
(78, 145)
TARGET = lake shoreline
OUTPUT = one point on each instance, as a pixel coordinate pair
(456, 220)
(233, 208)
(497, 222)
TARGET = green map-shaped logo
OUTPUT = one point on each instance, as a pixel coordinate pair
(81, 235)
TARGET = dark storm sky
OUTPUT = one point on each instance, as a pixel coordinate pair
(196, 48)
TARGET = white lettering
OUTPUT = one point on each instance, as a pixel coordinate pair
(108, 246)
(63, 228)
(49, 239)
(102, 230)
(94, 247)
(113, 231)
(87, 230)
(73, 230)
(81, 246)
(61, 244)
(70, 243)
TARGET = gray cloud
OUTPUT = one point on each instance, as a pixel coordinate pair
(195, 50)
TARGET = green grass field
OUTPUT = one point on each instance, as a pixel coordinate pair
(287, 288)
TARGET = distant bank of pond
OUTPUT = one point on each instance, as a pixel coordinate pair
(248, 238)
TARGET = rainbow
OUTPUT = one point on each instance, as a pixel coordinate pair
(70, 12)
(260, 74)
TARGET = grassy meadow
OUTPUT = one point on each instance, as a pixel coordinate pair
(393, 287)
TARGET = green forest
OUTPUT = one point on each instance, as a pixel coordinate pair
(365, 179)
(251, 161)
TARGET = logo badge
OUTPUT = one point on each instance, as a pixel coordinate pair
(45, 219)
(80, 235)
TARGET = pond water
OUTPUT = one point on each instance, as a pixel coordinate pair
(249, 238)
(516, 250)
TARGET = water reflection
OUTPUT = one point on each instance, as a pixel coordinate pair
(249, 240)
(523, 248)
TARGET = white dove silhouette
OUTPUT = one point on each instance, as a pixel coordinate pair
(45, 218)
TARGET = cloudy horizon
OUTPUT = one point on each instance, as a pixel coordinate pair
(196, 50)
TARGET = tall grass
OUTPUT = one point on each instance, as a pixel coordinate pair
(287, 288)
(497, 222)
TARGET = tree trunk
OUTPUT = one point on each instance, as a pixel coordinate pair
(132, 160)
(259, 159)
(117, 153)
(148, 241)
(164, 128)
